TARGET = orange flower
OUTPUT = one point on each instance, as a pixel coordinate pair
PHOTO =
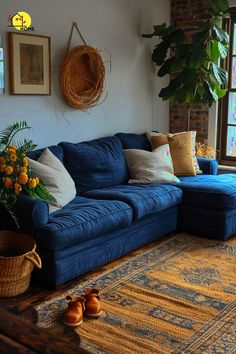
(7, 182)
(25, 162)
(2, 160)
(18, 188)
(13, 157)
(23, 169)
(23, 178)
(11, 150)
(8, 170)
(2, 168)
(37, 180)
(32, 183)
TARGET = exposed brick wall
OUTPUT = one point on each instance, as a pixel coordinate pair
(187, 13)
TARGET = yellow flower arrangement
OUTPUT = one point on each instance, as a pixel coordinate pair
(15, 174)
(203, 150)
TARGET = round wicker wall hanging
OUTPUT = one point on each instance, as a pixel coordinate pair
(82, 76)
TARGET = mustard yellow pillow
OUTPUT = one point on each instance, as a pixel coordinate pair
(181, 150)
(164, 140)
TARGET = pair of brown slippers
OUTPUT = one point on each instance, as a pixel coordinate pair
(87, 304)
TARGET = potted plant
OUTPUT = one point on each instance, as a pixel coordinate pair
(193, 66)
(15, 174)
(17, 251)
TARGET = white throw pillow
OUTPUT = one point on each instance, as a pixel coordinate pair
(55, 177)
(150, 167)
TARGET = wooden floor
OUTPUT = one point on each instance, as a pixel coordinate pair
(22, 307)
(18, 325)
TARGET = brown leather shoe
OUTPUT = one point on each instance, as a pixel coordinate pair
(74, 314)
(92, 304)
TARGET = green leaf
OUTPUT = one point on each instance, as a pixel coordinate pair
(220, 34)
(7, 135)
(197, 58)
(200, 37)
(223, 50)
(220, 92)
(150, 35)
(171, 65)
(26, 146)
(219, 6)
(43, 193)
(211, 91)
(212, 50)
(158, 31)
(159, 53)
(219, 74)
(176, 37)
(169, 30)
(169, 91)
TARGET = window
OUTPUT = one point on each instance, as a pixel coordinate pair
(227, 107)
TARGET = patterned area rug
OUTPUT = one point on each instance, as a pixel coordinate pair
(174, 296)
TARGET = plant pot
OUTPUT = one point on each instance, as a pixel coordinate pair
(17, 261)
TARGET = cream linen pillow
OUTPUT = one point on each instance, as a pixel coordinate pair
(55, 177)
(150, 167)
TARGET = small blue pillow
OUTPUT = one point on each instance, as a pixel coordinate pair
(134, 141)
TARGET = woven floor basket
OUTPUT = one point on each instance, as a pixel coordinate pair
(17, 261)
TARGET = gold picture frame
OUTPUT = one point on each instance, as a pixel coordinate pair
(29, 64)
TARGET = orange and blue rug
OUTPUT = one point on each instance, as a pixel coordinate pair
(173, 296)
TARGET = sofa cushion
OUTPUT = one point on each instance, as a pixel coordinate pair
(163, 138)
(209, 191)
(181, 149)
(55, 149)
(55, 178)
(150, 166)
(134, 141)
(144, 198)
(95, 164)
(82, 219)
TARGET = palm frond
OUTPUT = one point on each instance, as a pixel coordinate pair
(43, 193)
(12, 214)
(7, 135)
(25, 146)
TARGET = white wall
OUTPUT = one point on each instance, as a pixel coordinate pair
(131, 105)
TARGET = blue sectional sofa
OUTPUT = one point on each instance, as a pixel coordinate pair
(110, 217)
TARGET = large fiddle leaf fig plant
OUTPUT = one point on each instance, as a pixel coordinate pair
(193, 66)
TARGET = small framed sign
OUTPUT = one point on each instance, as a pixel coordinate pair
(30, 64)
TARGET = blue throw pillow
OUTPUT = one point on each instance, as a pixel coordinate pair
(95, 164)
(55, 149)
(134, 141)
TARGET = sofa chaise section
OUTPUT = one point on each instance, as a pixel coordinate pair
(209, 205)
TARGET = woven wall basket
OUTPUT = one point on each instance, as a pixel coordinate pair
(82, 77)
(17, 261)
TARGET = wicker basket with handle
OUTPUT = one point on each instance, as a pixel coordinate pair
(17, 260)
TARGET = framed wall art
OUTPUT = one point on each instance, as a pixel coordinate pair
(29, 64)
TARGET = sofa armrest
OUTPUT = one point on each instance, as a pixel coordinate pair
(31, 213)
(208, 166)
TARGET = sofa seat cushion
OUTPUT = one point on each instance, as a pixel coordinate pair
(143, 198)
(209, 191)
(82, 219)
(96, 163)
